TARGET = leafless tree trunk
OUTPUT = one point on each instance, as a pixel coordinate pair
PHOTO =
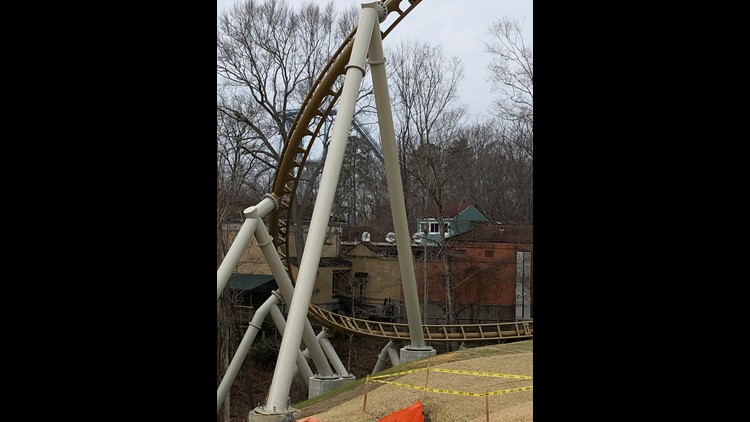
(426, 86)
(268, 57)
(362, 185)
(512, 74)
(224, 348)
(512, 71)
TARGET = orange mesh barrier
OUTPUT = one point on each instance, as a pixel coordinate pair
(412, 413)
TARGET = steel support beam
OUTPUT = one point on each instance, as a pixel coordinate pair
(281, 382)
(395, 190)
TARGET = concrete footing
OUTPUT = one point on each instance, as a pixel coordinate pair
(319, 385)
(409, 354)
(260, 415)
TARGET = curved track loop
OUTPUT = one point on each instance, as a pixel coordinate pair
(395, 331)
(317, 105)
(314, 112)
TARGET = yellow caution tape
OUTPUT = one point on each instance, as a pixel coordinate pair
(434, 390)
(511, 390)
(456, 371)
(460, 393)
(481, 374)
(397, 373)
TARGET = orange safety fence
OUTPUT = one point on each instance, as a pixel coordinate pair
(412, 413)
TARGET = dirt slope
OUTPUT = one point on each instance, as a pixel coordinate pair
(359, 355)
(348, 405)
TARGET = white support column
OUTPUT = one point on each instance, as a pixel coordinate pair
(244, 347)
(281, 382)
(287, 292)
(321, 385)
(239, 245)
(382, 356)
(393, 354)
(396, 191)
(331, 353)
(241, 242)
(302, 369)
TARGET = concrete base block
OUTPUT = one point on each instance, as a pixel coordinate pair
(348, 379)
(320, 384)
(409, 354)
(260, 415)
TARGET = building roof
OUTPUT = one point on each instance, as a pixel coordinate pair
(354, 234)
(450, 209)
(497, 232)
(253, 282)
(380, 249)
(325, 261)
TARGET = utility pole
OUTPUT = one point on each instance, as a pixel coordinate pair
(424, 246)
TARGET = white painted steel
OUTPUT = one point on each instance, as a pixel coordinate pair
(393, 354)
(302, 370)
(266, 205)
(395, 189)
(287, 293)
(243, 348)
(331, 353)
(382, 358)
(281, 382)
(241, 242)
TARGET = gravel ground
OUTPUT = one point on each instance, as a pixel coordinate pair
(383, 399)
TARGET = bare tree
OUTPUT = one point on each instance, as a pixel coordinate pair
(267, 58)
(425, 86)
(235, 173)
(362, 184)
(432, 154)
(512, 71)
(512, 76)
(500, 183)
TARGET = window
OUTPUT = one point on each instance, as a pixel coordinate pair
(524, 310)
(489, 253)
(434, 228)
(361, 277)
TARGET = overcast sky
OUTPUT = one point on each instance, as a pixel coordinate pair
(460, 28)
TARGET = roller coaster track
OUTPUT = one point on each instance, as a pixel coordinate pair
(396, 331)
(309, 120)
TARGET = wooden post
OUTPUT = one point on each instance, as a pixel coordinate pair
(426, 379)
(367, 382)
(487, 404)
